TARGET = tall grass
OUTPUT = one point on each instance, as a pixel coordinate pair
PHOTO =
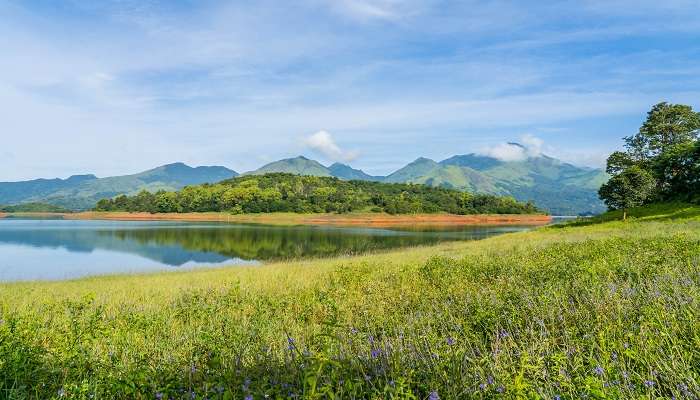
(606, 310)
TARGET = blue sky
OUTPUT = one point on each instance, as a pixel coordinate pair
(118, 86)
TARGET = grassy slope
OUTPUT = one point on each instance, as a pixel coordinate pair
(602, 309)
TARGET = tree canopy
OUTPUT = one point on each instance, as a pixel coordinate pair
(280, 192)
(660, 163)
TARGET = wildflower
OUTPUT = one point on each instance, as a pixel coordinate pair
(500, 389)
(433, 396)
(376, 353)
(649, 383)
(392, 383)
(61, 392)
(483, 386)
(503, 334)
(557, 397)
(159, 396)
(354, 331)
(598, 370)
(249, 397)
(450, 341)
(490, 380)
(246, 384)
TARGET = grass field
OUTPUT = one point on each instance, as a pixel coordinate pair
(599, 309)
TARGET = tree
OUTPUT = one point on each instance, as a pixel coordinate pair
(630, 188)
(679, 168)
(666, 125)
(619, 161)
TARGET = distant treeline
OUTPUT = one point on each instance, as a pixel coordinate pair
(309, 194)
(33, 207)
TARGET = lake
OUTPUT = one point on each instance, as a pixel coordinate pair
(45, 249)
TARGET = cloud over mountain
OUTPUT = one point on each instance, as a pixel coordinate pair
(529, 146)
(323, 143)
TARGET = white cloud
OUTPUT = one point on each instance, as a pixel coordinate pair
(388, 10)
(529, 147)
(533, 145)
(505, 152)
(322, 142)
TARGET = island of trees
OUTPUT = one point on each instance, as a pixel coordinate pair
(279, 192)
(661, 163)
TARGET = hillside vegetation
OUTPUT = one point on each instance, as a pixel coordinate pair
(311, 194)
(552, 185)
(594, 310)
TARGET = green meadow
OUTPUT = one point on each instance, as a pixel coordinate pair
(595, 309)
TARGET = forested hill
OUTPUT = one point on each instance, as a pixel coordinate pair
(280, 192)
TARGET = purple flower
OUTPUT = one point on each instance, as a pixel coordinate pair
(433, 396)
(483, 386)
(500, 389)
(490, 380)
(353, 331)
(249, 397)
(450, 341)
(598, 370)
(159, 396)
(557, 397)
(649, 383)
(376, 353)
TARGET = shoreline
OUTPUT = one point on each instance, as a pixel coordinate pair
(355, 220)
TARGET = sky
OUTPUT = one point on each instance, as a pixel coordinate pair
(114, 87)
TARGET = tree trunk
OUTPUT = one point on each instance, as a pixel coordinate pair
(624, 215)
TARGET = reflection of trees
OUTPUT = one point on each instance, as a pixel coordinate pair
(182, 243)
(263, 243)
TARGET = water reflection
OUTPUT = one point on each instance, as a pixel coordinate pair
(80, 246)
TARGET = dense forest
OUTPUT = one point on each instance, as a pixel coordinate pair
(280, 192)
(660, 163)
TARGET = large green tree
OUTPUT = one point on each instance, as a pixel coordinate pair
(666, 125)
(661, 162)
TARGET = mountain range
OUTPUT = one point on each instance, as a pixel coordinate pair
(558, 187)
(81, 192)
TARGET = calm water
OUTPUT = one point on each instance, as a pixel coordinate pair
(62, 249)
